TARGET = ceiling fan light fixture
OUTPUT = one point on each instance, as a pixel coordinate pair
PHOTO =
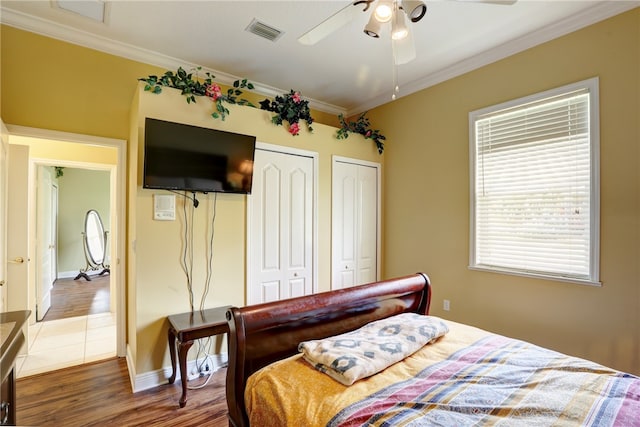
(399, 28)
(372, 29)
(383, 11)
(415, 10)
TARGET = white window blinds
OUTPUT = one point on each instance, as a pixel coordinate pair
(533, 189)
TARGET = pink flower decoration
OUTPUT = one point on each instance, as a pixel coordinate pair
(296, 97)
(213, 91)
(294, 128)
(368, 134)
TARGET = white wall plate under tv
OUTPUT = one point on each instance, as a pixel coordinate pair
(164, 207)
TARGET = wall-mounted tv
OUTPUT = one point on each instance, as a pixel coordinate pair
(195, 159)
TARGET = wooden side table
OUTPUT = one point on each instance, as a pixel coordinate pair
(190, 326)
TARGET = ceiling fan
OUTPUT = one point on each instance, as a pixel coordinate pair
(384, 11)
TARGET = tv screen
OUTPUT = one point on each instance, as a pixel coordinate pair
(196, 159)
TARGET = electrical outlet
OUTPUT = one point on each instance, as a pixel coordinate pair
(193, 375)
(446, 305)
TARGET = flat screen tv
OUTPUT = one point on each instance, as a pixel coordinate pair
(195, 159)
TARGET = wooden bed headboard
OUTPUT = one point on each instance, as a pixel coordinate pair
(261, 334)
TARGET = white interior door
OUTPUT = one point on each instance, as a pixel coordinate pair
(4, 148)
(281, 224)
(17, 282)
(53, 224)
(45, 242)
(355, 222)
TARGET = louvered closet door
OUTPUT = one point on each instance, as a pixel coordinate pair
(355, 224)
(281, 227)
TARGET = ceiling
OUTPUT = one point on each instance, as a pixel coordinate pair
(347, 72)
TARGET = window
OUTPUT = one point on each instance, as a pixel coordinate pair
(535, 185)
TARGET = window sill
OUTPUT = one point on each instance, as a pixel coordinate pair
(537, 276)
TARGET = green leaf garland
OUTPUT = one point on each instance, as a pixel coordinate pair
(361, 126)
(191, 88)
(289, 107)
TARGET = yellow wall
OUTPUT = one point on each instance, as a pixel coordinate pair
(427, 176)
(50, 84)
(66, 151)
(54, 85)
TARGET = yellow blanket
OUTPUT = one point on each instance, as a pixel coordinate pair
(468, 377)
(291, 393)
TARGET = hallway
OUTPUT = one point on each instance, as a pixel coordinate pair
(68, 342)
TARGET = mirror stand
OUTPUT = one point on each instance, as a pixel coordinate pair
(94, 242)
(90, 265)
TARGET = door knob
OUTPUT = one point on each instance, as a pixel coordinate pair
(17, 260)
(1, 282)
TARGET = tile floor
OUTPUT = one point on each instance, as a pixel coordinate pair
(57, 344)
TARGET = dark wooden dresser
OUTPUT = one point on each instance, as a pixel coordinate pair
(11, 340)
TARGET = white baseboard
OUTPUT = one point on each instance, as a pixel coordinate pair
(131, 367)
(67, 274)
(161, 376)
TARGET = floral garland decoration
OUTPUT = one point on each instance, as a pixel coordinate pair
(291, 108)
(361, 126)
(191, 88)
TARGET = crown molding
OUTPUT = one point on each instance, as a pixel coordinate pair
(82, 38)
(599, 12)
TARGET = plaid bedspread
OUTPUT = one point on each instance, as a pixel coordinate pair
(503, 382)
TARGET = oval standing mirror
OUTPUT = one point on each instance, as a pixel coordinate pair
(95, 242)
(94, 231)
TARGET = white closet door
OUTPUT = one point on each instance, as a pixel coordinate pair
(281, 227)
(355, 223)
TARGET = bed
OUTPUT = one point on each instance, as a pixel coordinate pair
(452, 374)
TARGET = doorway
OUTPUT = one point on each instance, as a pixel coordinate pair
(77, 289)
(60, 149)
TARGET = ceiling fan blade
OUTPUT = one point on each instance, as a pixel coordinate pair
(329, 25)
(404, 50)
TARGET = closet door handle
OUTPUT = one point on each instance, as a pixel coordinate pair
(17, 260)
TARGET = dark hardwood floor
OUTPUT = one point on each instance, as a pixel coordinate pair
(99, 394)
(71, 298)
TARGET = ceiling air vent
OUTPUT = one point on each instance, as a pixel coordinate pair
(92, 9)
(263, 30)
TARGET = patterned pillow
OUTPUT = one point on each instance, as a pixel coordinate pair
(372, 348)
